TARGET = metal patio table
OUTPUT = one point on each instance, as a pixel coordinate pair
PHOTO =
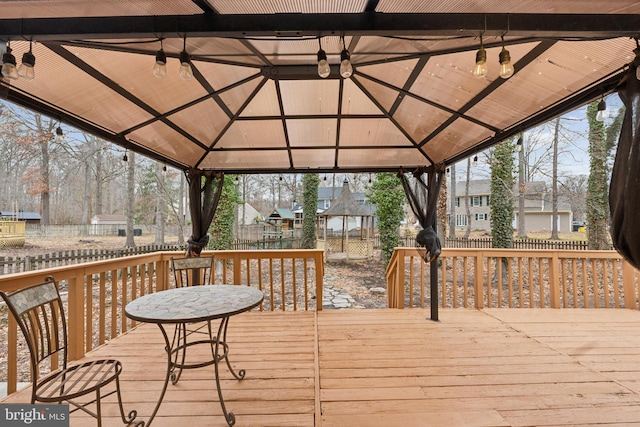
(188, 306)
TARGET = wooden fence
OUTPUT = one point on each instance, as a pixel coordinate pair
(9, 265)
(514, 278)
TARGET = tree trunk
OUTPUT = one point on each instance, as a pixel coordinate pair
(99, 179)
(45, 195)
(554, 182)
(522, 230)
(86, 198)
(452, 199)
(159, 240)
(131, 195)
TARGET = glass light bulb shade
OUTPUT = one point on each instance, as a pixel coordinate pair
(480, 70)
(159, 70)
(638, 72)
(323, 68)
(186, 73)
(26, 71)
(346, 69)
(601, 115)
(506, 70)
(9, 70)
(160, 67)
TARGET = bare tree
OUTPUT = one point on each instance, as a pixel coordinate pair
(131, 194)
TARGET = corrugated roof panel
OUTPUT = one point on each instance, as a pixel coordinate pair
(418, 118)
(446, 80)
(561, 70)
(287, 6)
(382, 94)
(253, 134)
(248, 159)
(265, 103)
(354, 101)
(394, 73)
(216, 48)
(236, 97)
(163, 139)
(370, 132)
(204, 121)
(374, 48)
(311, 158)
(69, 8)
(507, 6)
(380, 158)
(456, 137)
(312, 132)
(161, 94)
(310, 96)
(77, 92)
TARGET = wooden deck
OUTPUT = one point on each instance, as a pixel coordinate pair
(496, 367)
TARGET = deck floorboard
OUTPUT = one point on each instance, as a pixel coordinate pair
(494, 367)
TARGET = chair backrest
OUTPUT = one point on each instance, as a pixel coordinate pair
(193, 271)
(39, 313)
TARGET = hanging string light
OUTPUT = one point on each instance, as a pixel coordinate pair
(186, 73)
(323, 65)
(480, 70)
(602, 110)
(160, 67)
(9, 69)
(26, 69)
(506, 67)
(346, 69)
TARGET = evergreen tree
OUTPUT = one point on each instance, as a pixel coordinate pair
(387, 194)
(502, 184)
(310, 182)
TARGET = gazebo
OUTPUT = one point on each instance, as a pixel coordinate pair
(344, 243)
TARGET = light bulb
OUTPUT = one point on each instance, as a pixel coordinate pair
(480, 70)
(346, 69)
(506, 67)
(323, 65)
(160, 67)
(602, 111)
(475, 161)
(26, 69)
(638, 72)
(185, 66)
(9, 69)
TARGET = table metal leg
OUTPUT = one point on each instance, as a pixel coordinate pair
(220, 350)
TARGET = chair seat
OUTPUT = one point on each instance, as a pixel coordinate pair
(77, 380)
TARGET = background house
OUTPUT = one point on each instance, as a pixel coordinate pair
(537, 205)
(28, 217)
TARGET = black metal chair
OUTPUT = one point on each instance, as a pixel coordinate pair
(39, 312)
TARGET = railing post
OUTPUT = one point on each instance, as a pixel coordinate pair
(319, 261)
(75, 316)
(554, 282)
(628, 280)
(478, 282)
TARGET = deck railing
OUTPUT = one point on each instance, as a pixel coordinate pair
(96, 293)
(514, 278)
